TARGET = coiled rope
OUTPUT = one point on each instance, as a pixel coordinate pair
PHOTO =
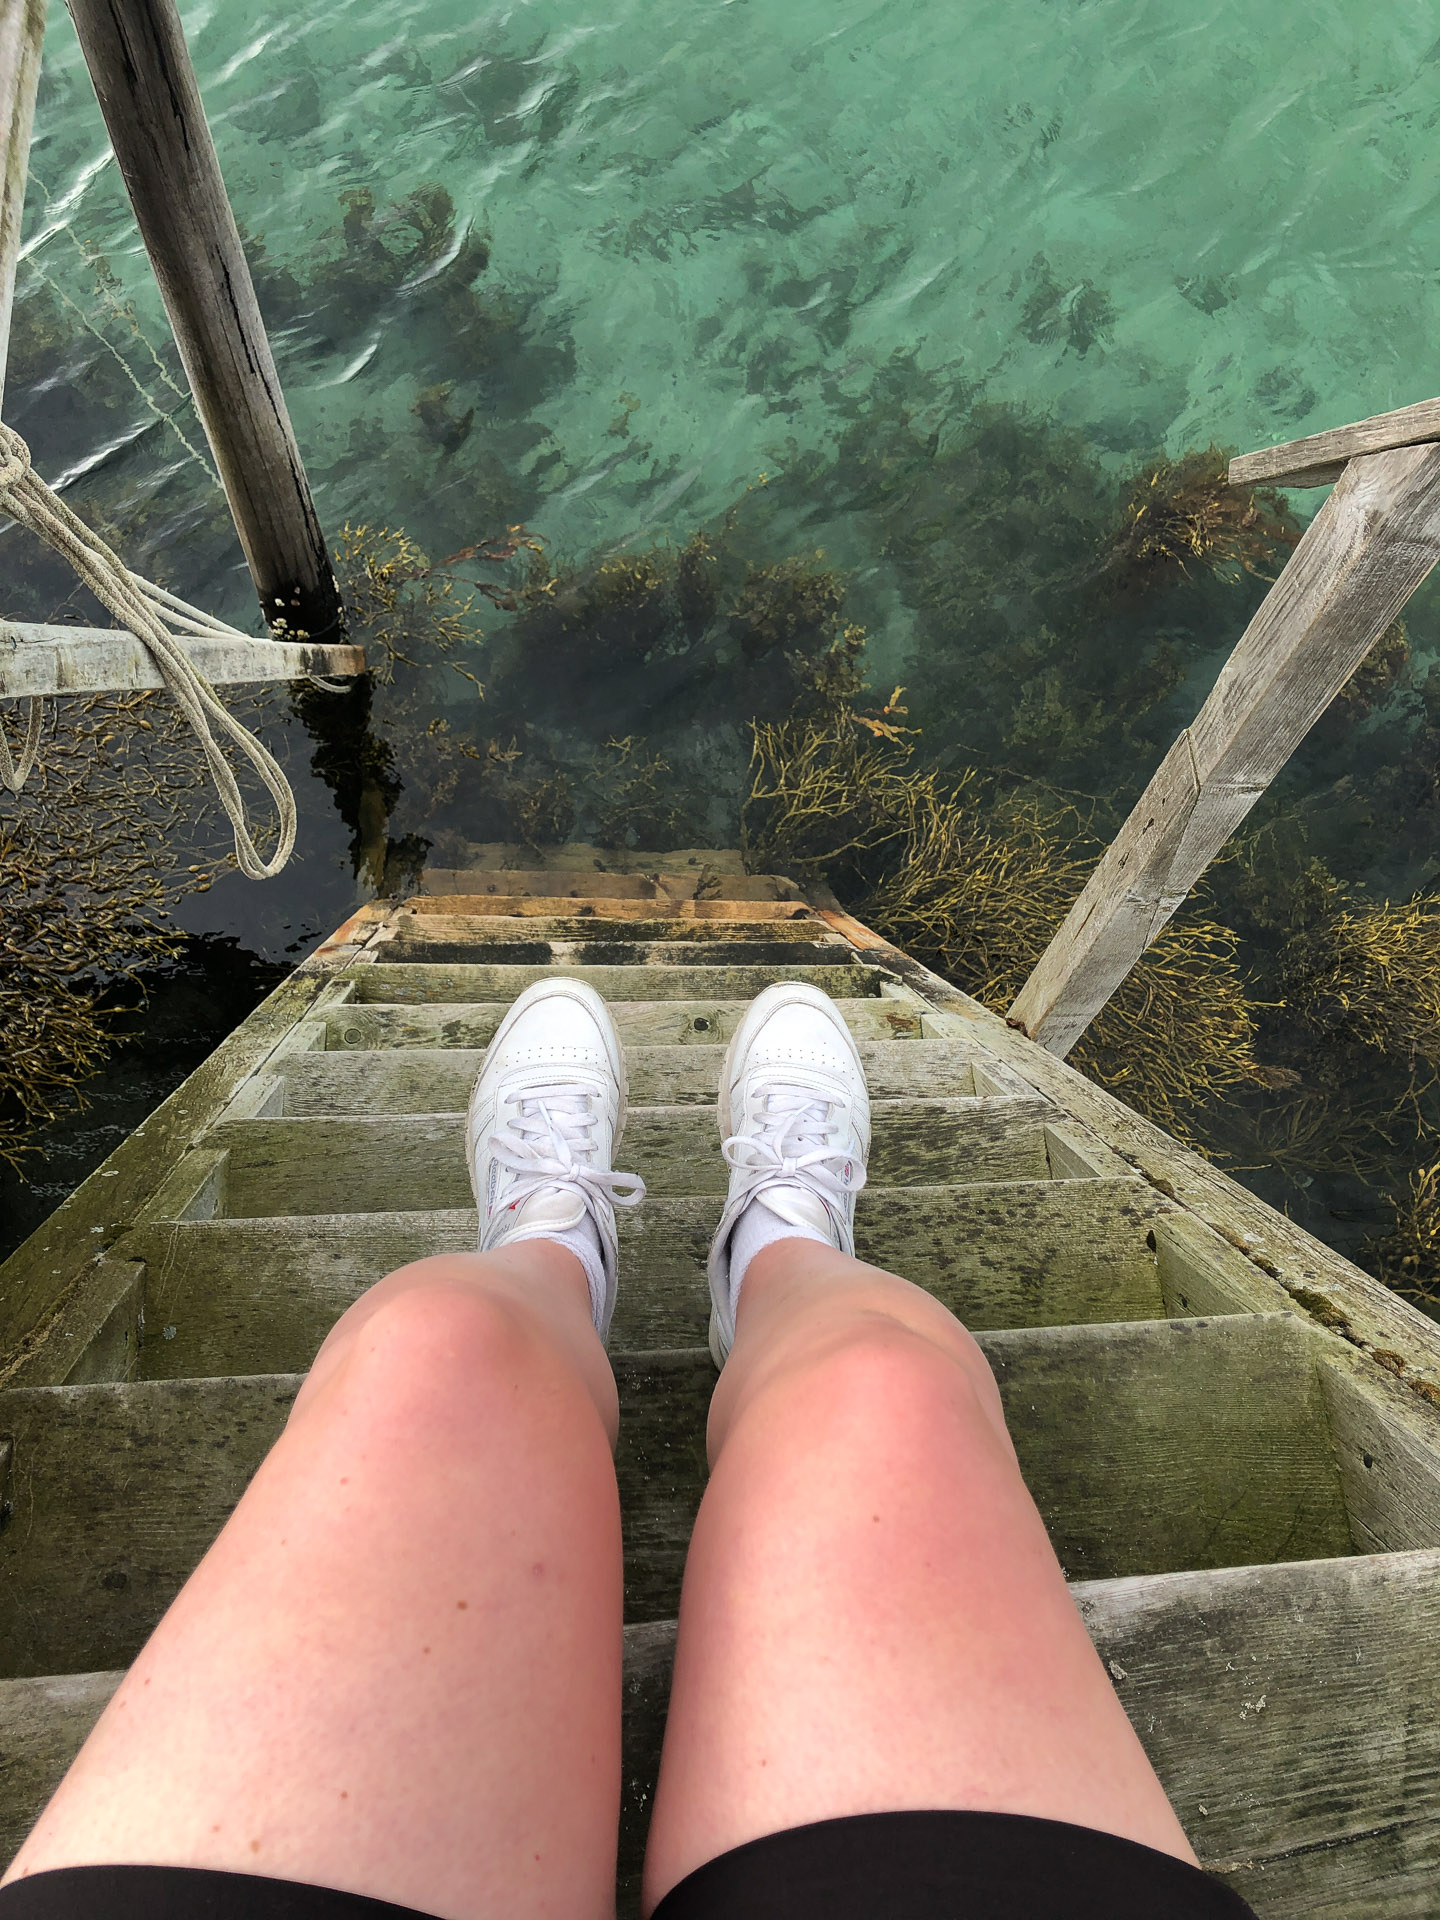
(156, 618)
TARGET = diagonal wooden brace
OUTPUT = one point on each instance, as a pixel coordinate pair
(1361, 558)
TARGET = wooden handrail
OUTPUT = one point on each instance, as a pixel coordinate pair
(1364, 554)
(140, 66)
(22, 34)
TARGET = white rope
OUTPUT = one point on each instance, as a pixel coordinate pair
(150, 613)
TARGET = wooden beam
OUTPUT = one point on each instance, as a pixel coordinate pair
(1320, 458)
(40, 660)
(22, 33)
(139, 63)
(1361, 558)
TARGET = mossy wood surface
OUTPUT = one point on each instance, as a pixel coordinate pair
(746, 918)
(1027, 1253)
(640, 1023)
(1290, 1714)
(1192, 1384)
(669, 888)
(419, 931)
(422, 981)
(354, 1164)
(38, 1276)
(602, 951)
(438, 1080)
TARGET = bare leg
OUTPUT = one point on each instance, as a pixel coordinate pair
(397, 1671)
(873, 1618)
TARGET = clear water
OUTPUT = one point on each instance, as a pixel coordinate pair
(720, 231)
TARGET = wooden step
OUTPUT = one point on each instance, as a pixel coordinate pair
(1295, 1733)
(260, 1295)
(690, 913)
(476, 948)
(353, 1163)
(575, 882)
(369, 1023)
(417, 982)
(1148, 1448)
(439, 1080)
(119, 1489)
(414, 929)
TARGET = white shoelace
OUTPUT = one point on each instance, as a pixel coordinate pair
(548, 1144)
(796, 1146)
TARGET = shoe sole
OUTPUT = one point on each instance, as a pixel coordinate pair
(614, 1050)
(782, 993)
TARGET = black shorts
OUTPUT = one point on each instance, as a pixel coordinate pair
(876, 1866)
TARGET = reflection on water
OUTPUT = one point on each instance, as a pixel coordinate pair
(678, 367)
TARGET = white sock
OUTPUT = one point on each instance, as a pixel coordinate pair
(757, 1227)
(583, 1240)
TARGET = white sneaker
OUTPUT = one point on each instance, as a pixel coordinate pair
(540, 1136)
(795, 1117)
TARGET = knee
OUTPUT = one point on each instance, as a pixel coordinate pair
(883, 1382)
(438, 1345)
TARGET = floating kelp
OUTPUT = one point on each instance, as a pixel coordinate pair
(1183, 516)
(974, 880)
(1408, 1257)
(93, 856)
(1369, 974)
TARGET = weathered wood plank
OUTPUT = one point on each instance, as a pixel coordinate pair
(621, 924)
(96, 1335)
(1202, 1274)
(38, 1276)
(1388, 1445)
(1181, 1443)
(38, 660)
(1185, 1443)
(1321, 457)
(418, 982)
(22, 36)
(43, 1725)
(1369, 547)
(674, 888)
(640, 1023)
(1291, 1713)
(355, 1163)
(571, 909)
(119, 1490)
(470, 944)
(260, 1296)
(1316, 1279)
(140, 66)
(438, 1080)
(1321, 1801)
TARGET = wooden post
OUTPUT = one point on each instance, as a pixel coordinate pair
(22, 33)
(1361, 558)
(139, 63)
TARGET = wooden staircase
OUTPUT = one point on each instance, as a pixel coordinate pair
(1233, 1435)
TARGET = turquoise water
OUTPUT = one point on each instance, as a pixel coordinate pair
(761, 258)
(730, 217)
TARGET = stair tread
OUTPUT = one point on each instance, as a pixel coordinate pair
(471, 944)
(688, 1019)
(370, 1162)
(1147, 1447)
(439, 1079)
(1342, 1652)
(1000, 1254)
(421, 980)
